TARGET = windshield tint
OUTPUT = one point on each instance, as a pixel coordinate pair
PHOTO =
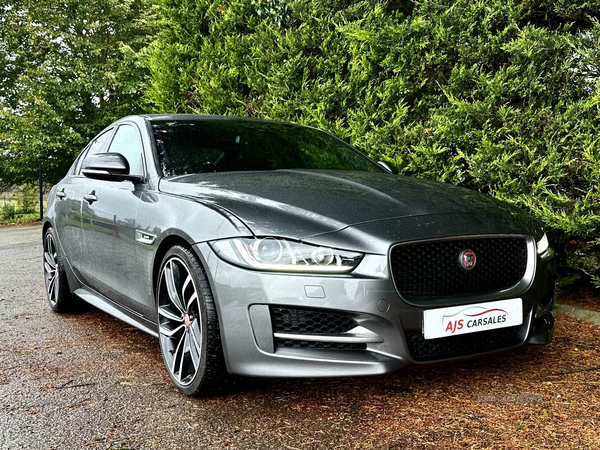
(194, 146)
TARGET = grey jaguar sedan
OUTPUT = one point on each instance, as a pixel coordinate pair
(261, 248)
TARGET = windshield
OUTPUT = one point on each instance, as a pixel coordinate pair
(194, 146)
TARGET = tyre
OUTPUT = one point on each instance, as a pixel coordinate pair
(57, 286)
(189, 336)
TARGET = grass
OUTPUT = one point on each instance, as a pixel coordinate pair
(10, 213)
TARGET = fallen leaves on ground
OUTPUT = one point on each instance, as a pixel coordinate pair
(535, 397)
(586, 296)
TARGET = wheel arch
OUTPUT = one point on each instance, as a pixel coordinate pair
(215, 371)
(47, 224)
(167, 243)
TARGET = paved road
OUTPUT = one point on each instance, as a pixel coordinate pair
(86, 380)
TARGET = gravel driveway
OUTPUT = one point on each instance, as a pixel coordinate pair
(86, 380)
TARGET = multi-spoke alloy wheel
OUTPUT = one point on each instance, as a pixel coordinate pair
(188, 325)
(56, 280)
(51, 269)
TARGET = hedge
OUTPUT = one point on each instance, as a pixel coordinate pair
(501, 96)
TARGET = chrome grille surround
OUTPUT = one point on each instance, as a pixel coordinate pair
(515, 288)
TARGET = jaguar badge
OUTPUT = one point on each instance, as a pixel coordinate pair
(468, 259)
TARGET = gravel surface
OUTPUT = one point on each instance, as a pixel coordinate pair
(88, 381)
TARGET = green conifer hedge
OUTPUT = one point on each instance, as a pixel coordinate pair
(502, 96)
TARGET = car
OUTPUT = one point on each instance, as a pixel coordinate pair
(260, 248)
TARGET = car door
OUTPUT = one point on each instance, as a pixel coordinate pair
(69, 194)
(67, 215)
(108, 214)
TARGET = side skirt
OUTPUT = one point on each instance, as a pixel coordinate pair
(109, 307)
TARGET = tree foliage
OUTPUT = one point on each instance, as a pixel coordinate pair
(67, 70)
(496, 95)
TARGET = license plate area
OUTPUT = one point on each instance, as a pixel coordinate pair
(464, 319)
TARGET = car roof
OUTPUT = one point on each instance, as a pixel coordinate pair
(207, 117)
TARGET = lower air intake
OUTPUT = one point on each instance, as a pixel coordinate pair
(289, 343)
(422, 349)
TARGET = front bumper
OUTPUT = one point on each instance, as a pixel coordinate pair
(387, 325)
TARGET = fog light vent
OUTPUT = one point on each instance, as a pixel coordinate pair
(305, 321)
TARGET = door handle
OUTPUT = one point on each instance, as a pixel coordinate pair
(91, 197)
(60, 193)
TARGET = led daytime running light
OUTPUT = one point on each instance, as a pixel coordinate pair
(281, 255)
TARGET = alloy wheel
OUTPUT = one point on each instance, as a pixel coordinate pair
(180, 321)
(51, 270)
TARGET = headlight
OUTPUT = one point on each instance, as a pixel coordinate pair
(542, 245)
(282, 255)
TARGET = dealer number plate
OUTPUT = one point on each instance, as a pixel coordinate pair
(455, 320)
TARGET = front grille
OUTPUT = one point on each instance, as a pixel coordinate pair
(433, 269)
(305, 321)
(290, 343)
(422, 349)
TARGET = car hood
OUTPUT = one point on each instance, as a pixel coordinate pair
(299, 204)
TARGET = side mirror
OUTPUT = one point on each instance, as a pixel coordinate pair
(108, 167)
(388, 167)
